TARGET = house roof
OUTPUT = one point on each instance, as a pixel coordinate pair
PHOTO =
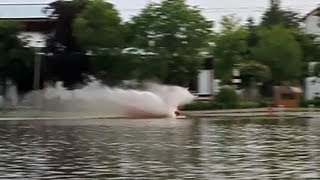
(27, 19)
(33, 24)
(315, 12)
(288, 89)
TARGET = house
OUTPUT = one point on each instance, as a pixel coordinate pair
(34, 29)
(287, 96)
(312, 22)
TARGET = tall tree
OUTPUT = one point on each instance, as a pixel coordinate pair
(176, 33)
(279, 50)
(274, 15)
(68, 61)
(16, 60)
(230, 47)
(98, 26)
(252, 36)
(252, 73)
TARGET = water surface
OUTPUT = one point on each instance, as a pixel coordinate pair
(160, 149)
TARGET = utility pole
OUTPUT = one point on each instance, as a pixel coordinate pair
(37, 69)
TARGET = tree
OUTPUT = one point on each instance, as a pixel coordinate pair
(274, 15)
(176, 33)
(98, 26)
(16, 60)
(316, 70)
(230, 47)
(252, 37)
(68, 62)
(279, 50)
(252, 73)
(310, 47)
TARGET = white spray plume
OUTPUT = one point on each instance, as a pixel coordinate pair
(98, 99)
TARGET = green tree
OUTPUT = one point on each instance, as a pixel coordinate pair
(316, 70)
(68, 62)
(98, 26)
(230, 47)
(274, 15)
(176, 33)
(310, 47)
(252, 73)
(227, 97)
(279, 50)
(252, 37)
(98, 30)
(16, 60)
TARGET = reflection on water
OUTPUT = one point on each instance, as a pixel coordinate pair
(160, 149)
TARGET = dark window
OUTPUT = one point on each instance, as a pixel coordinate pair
(287, 96)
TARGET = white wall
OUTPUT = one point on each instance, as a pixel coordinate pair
(205, 82)
(35, 39)
(312, 25)
(312, 85)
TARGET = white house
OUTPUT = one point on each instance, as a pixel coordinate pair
(312, 22)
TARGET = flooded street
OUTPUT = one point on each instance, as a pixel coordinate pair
(160, 149)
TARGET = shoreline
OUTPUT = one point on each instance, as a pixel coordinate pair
(256, 113)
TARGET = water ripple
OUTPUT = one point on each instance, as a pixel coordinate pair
(160, 149)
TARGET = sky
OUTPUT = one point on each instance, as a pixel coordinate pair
(212, 9)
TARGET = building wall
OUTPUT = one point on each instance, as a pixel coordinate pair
(312, 87)
(312, 24)
(34, 39)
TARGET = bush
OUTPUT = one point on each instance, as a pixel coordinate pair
(228, 97)
(265, 102)
(249, 104)
(199, 105)
(315, 102)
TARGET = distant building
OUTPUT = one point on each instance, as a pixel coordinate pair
(287, 96)
(312, 22)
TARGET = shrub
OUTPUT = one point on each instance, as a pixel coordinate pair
(315, 102)
(199, 105)
(228, 97)
(249, 104)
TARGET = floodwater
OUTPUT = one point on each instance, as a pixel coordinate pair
(160, 149)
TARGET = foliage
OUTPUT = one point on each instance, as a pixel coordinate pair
(315, 102)
(274, 15)
(316, 70)
(98, 26)
(176, 33)
(230, 47)
(228, 97)
(253, 71)
(16, 60)
(112, 66)
(213, 105)
(248, 104)
(202, 105)
(279, 50)
(68, 61)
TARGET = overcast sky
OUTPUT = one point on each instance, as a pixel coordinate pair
(212, 9)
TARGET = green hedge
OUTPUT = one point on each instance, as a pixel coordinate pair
(213, 105)
(315, 102)
(202, 105)
(227, 98)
